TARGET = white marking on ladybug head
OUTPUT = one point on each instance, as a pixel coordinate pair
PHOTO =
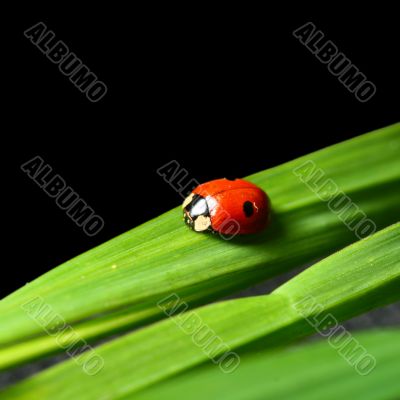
(188, 200)
(202, 223)
(199, 207)
(212, 205)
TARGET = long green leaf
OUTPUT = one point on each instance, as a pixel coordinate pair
(310, 372)
(360, 277)
(116, 285)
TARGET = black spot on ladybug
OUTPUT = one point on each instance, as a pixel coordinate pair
(248, 209)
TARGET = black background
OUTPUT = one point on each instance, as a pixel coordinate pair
(225, 92)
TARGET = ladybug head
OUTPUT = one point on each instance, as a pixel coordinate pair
(196, 213)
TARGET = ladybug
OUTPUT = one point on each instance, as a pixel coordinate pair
(227, 206)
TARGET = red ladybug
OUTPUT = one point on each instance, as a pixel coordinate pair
(227, 206)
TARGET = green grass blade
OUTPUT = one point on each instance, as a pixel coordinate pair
(116, 285)
(358, 278)
(309, 372)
